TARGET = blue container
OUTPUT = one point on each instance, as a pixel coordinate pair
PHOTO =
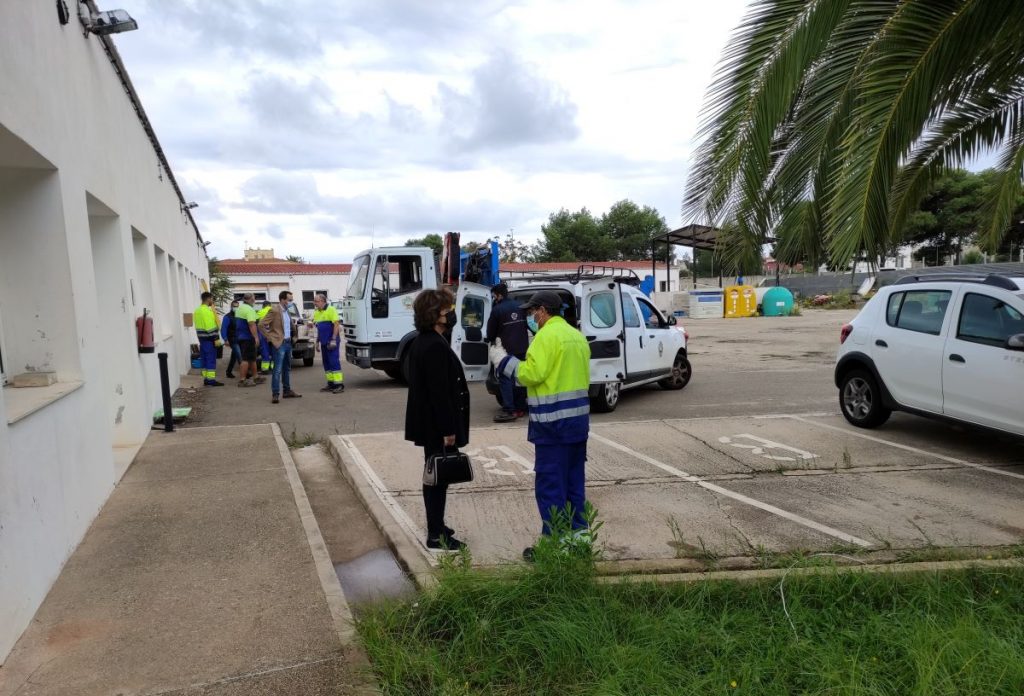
(197, 363)
(777, 302)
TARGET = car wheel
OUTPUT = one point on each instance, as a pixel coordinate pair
(860, 398)
(607, 397)
(681, 373)
(308, 362)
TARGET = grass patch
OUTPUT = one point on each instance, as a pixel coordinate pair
(297, 441)
(551, 629)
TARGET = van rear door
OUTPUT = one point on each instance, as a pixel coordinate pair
(472, 308)
(600, 315)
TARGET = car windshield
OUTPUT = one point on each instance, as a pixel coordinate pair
(360, 268)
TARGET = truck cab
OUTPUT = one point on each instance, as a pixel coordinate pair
(376, 313)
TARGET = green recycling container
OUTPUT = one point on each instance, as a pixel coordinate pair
(777, 302)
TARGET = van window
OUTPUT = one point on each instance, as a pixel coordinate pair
(602, 310)
(652, 317)
(472, 312)
(629, 315)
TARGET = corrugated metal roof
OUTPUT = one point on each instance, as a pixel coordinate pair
(573, 265)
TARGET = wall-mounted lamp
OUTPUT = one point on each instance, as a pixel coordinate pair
(189, 206)
(107, 22)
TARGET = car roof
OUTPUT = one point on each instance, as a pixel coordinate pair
(1011, 282)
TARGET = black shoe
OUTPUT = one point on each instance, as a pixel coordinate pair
(445, 543)
(338, 388)
(505, 417)
(213, 383)
(449, 532)
(528, 554)
(229, 375)
(328, 388)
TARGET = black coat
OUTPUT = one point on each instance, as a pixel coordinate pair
(438, 402)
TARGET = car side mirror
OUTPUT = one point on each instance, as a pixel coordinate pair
(670, 320)
(1015, 342)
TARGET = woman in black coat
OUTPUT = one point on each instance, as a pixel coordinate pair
(437, 410)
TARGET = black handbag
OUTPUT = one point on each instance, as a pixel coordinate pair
(447, 467)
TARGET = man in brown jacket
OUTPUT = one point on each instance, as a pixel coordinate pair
(278, 329)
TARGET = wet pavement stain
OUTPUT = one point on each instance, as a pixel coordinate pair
(372, 577)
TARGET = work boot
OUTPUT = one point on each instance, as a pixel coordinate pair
(289, 394)
(328, 388)
(213, 383)
(275, 399)
(338, 388)
(505, 417)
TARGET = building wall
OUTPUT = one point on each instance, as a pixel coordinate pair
(91, 232)
(271, 284)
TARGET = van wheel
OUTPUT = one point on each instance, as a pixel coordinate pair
(681, 373)
(860, 398)
(607, 397)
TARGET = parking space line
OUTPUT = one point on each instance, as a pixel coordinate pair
(908, 448)
(690, 478)
(393, 506)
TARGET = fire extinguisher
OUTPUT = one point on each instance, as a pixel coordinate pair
(144, 332)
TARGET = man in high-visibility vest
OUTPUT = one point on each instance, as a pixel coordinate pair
(556, 374)
(328, 342)
(207, 329)
(266, 360)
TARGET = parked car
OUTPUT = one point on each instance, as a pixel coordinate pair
(304, 340)
(949, 347)
(631, 342)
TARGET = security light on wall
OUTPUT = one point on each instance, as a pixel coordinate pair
(107, 22)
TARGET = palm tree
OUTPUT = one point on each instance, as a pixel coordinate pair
(829, 119)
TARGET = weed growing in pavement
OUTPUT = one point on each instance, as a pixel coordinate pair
(295, 441)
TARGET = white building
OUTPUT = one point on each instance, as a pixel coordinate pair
(93, 230)
(266, 278)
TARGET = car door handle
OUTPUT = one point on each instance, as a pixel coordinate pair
(957, 358)
(590, 338)
(881, 344)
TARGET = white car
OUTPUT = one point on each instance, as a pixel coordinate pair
(631, 342)
(949, 346)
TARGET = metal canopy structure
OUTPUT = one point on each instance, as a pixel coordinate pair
(699, 237)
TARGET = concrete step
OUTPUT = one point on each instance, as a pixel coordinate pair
(365, 566)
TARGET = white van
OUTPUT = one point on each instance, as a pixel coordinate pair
(631, 342)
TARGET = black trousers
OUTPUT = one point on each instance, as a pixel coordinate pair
(434, 499)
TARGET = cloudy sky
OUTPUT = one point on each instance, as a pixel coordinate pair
(311, 126)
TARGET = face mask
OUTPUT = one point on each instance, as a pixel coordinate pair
(531, 324)
(449, 319)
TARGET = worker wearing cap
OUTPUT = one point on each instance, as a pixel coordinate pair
(556, 374)
(328, 342)
(208, 331)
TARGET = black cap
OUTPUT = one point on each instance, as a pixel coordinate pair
(547, 299)
(500, 288)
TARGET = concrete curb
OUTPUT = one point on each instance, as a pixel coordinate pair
(779, 573)
(341, 612)
(406, 548)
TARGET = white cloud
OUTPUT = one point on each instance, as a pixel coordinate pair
(311, 126)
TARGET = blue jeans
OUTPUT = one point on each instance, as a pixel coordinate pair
(282, 368)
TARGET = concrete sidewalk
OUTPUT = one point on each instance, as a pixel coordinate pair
(205, 573)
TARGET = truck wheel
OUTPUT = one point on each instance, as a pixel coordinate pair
(607, 397)
(681, 373)
(860, 398)
(308, 361)
(395, 373)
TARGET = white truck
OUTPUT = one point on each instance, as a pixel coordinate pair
(632, 343)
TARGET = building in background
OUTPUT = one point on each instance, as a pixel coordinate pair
(93, 231)
(265, 276)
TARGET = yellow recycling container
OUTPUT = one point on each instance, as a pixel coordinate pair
(740, 301)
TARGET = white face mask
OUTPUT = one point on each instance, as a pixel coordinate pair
(531, 324)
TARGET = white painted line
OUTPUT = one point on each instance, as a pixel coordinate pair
(908, 448)
(389, 501)
(785, 514)
(766, 445)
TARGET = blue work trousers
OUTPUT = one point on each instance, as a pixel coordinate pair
(560, 481)
(513, 398)
(208, 360)
(282, 367)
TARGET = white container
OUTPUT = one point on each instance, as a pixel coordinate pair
(705, 304)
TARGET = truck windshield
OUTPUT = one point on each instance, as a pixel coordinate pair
(360, 268)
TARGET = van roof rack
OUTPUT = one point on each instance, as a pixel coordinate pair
(994, 279)
(617, 274)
